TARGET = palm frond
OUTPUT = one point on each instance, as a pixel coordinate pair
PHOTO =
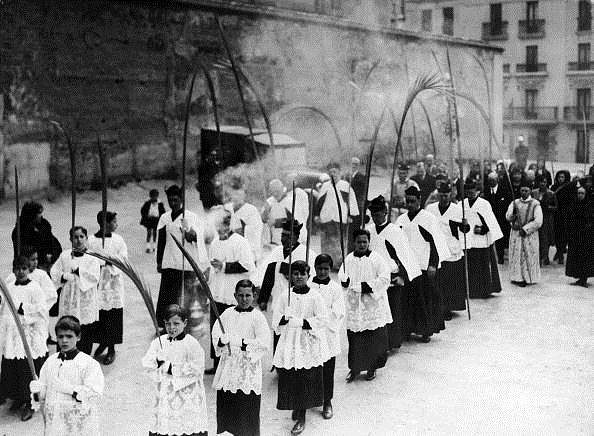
(340, 232)
(103, 168)
(18, 210)
(72, 156)
(135, 276)
(370, 158)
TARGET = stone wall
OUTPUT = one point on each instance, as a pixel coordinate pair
(120, 71)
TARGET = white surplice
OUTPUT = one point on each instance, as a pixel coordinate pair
(333, 296)
(44, 281)
(392, 237)
(180, 405)
(34, 321)
(366, 311)
(420, 247)
(241, 370)
(247, 222)
(483, 208)
(172, 256)
(235, 248)
(64, 415)
(110, 291)
(329, 209)
(280, 210)
(524, 259)
(79, 295)
(300, 348)
(452, 213)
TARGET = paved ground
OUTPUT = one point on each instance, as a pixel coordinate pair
(522, 366)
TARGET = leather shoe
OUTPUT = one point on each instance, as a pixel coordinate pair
(294, 415)
(351, 376)
(27, 413)
(327, 411)
(370, 375)
(109, 358)
(424, 339)
(298, 427)
(210, 371)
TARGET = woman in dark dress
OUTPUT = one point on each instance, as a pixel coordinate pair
(564, 200)
(580, 253)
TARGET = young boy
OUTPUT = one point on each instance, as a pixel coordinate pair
(331, 291)
(301, 350)
(238, 379)
(175, 362)
(70, 385)
(30, 302)
(78, 275)
(150, 212)
(110, 291)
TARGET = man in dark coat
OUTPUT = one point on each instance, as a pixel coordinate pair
(580, 252)
(425, 181)
(358, 181)
(499, 197)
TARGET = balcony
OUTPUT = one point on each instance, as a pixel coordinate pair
(495, 31)
(576, 114)
(584, 24)
(531, 69)
(528, 29)
(531, 115)
(580, 68)
(506, 70)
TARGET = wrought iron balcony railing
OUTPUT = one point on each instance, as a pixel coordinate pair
(495, 31)
(531, 29)
(531, 68)
(577, 113)
(580, 66)
(538, 113)
(506, 69)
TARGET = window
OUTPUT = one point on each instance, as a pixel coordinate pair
(582, 149)
(531, 58)
(530, 96)
(584, 56)
(495, 18)
(426, 18)
(584, 15)
(584, 100)
(531, 12)
(448, 21)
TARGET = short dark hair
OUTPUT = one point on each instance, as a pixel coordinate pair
(68, 322)
(28, 250)
(175, 310)
(30, 210)
(300, 266)
(245, 283)
(359, 232)
(154, 193)
(20, 261)
(109, 217)
(324, 258)
(76, 228)
(173, 190)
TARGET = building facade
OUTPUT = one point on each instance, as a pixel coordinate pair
(548, 70)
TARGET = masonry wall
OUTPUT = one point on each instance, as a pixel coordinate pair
(119, 71)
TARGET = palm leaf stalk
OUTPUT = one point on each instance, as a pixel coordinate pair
(18, 211)
(203, 282)
(429, 126)
(489, 104)
(309, 225)
(340, 232)
(369, 159)
(291, 237)
(424, 82)
(135, 276)
(317, 111)
(585, 138)
(72, 157)
(412, 112)
(357, 106)
(460, 164)
(17, 320)
(103, 167)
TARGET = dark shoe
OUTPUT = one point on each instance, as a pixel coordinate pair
(582, 283)
(351, 376)
(109, 358)
(424, 339)
(298, 427)
(522, 284)
(294, 415)
(27, 413)
(327, 412)
(148, 250)
(546, 261)
(370, 375)
(210, 371)
(448, 316)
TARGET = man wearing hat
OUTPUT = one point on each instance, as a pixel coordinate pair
(397, 202)
(499, 197)
(327, 216)
(525, 216)
(452, 226)
(429, 247)
(170, 262)
(388, 240)
(483, 275)
(434, 196)
(358, 183)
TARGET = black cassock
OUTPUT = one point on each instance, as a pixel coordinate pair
(580, 252)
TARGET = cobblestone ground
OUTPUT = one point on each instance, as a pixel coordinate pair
(522, 366)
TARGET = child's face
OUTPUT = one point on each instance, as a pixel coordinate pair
(154, 198)
(112, 226)
(299, 278)
(33, 262)
(244, 297)
(67, 340)
(175, 325)
(323, 270)
(79, 239)
(21, 272)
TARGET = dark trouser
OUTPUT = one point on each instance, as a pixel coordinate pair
(221, 307)
(238, 413)
(87, 337)
(395, 327)
(151, 234)
(15, 377)
(110, 328)
(170, 291)
(500, 246)
(329, 366)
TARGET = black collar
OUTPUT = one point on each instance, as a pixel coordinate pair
(441, 209)
(68, 355)
(179, 337)
(286, 252)
(174, 215)
(381, 227)
(76, 253)
(321, 281)
(471, 202)
(99, 234)
(412, 215)
(25, 283)
(365, 253)
(240, 310)
(301, 291)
